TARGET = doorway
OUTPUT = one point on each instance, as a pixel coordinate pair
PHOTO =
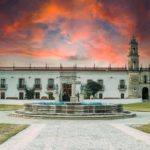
(2, 95)
(66, 88)
(21, 95)
(145, 95)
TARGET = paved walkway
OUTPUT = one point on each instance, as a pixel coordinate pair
(77, 134)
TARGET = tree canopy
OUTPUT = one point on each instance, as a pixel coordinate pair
(92, 88)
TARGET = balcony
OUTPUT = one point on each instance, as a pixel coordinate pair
(21, 86)
(145, 81)
(3, 86)
(50, 87)
(37, 86)
(122, 87)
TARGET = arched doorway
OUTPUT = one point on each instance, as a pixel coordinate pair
(66, 92)
(145, 93)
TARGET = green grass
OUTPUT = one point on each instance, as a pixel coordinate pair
(4, 107)
(143, 107)
(145, 128)
(9, 130)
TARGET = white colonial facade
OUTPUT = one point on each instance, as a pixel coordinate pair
(67, 83)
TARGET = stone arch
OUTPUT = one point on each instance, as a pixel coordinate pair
(145, 93)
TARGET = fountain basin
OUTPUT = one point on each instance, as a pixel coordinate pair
(62, 110)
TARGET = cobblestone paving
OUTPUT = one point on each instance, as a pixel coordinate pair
(79, 134)
(84, 136)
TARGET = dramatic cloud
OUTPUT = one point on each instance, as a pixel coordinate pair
(74, 31)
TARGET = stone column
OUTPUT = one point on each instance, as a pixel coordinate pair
(57, 97)
(73, 92)
(73, 98)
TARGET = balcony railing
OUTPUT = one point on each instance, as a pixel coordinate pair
(37, 86)
(3, 86)
(145, 82)
(50, 87)
(21, 86)
(122, 87)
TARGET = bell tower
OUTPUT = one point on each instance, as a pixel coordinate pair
(133, 57)
(133, 69)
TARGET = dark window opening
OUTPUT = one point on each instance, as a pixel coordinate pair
(2, 95)
(37, 95)
(122, 95)
(37, 83)
(122, 84)
(21, 83)
(50, 83)
(3, 83)
(145, 79)
(21, 95)
(100, 96)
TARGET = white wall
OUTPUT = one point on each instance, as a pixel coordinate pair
(111, 80)
(12, 78)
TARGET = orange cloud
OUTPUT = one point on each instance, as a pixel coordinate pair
(75, 9)
(37, 35)
(101, 49)
(54, 54)
(117, 16)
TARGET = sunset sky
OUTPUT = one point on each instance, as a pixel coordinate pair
(69, 32)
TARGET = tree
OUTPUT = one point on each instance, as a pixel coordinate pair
(29, 93)
(91, 88)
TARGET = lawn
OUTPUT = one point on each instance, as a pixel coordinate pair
(143, 107)
(9, 130)
(10, 107)
(145, 128)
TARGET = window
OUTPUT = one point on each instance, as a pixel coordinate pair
(100, 96)
(145, 79)
(50, 96)
(3, 83)
(21, 95)
(2, 95)
(122, 84)
(37, 95)
(21, 82)
(134, 50)
(50, 83)
(122, 95)
(37, 83)
(100, 82)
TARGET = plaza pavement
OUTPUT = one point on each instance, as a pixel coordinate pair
(78, 134)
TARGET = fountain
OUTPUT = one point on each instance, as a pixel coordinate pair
(69, 110)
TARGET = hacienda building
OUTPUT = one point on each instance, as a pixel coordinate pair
(67, 83)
